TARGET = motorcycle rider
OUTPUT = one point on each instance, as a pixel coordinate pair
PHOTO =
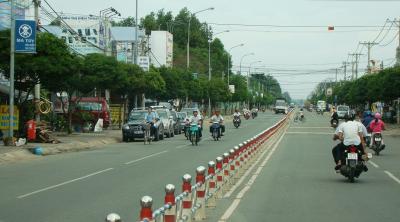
(217, 117)
(349, 133)
(150, 118)
(376, 126)
(334, 116)
(196, 118)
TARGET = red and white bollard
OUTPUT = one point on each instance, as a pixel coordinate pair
(146, 213)
(211, 202)
(220, 177)
(238, 167)
(170, 214)
(227, 176)
(232, 170)
(113, 217)
(200, 213)
(187, 200)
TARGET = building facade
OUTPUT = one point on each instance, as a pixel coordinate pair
(161, 48)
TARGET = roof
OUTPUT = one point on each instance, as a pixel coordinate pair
(123, 34)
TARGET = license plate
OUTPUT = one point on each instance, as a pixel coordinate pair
(138, 132)
(378, 139)
(352, 156)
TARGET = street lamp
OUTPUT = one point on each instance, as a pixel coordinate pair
(188, 37)
(209, 65)
(229, 52)
(248, 79)
(245, 55)
(209, 53)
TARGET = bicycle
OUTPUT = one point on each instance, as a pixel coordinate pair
(146, 133)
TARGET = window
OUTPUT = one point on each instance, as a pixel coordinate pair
(64, 38)
(94, 31)
(89, 106)
(83, 39)
(87, 32)
(64, 31)
(92, 39)
(70, 40)
(80, 32)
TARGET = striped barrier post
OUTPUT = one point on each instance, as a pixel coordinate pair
(220, 177)
(186, 211)
(113, 217)
(170, 214)
(211, 201)
(146, 213)
(232, 171)
(200, 213)
(241, 159)
(237, 163)
(227, 176)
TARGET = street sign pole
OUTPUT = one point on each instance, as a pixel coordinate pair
(12, 63)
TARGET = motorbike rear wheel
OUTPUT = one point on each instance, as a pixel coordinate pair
(351, 175)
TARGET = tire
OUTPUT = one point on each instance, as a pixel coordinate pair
(197, 138)
(172, 133)
(351, 175)
(125, 139)
(161, 135)
(156, 135)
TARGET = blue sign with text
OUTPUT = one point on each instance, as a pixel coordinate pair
(25, 36)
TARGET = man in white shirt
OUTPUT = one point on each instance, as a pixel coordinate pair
(196, 118)
(217, 117)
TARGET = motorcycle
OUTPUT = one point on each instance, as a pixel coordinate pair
(301, 117)
(334, 123)
(354, 163)
(236, 121)
(253, 115)
(377, 143)
(216, 131)
(194, 136)
(247, 115)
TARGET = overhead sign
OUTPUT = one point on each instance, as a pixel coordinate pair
(5, 117)
(25, 36)
(329, 91)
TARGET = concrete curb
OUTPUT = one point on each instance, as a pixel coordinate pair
(53, 149)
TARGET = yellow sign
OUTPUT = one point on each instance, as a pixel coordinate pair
(5, 117)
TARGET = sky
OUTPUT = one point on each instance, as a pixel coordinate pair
(298, 49)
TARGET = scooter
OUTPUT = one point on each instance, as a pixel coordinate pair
(236, 121)
(216, 131)
(377, 143)
(194, 136)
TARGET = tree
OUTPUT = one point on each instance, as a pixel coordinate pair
(126, 22)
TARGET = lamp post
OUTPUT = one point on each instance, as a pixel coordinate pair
(188, 37)
(241, 60)
(229, 52)
(209, 65)
(248, 80)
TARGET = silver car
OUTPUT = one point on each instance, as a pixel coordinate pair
(167, 120)
(342, 110)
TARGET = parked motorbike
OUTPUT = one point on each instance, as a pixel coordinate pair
(377, 143)
(352, 163)
(216, 131)
(194, 135)
(236, 121)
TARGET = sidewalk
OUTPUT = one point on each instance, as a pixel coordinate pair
(392, 130)
(68, 143)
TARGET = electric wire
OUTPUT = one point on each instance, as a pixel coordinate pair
(390, 42)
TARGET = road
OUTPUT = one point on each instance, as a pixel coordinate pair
(85, 186)
(298, 183)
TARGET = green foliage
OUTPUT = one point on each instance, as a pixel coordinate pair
(383, 86)
(127, 22)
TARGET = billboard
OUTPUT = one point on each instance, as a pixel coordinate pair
(5, 117)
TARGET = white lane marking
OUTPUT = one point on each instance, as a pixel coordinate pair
(392, 176)
(240, 195)
(182, 146)
(310, 127)
(64, 183)
(312, 133)
(143, 158)
(373, 164)
(230, 210)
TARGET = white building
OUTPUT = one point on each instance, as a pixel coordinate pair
(23, 10)
(161, 48)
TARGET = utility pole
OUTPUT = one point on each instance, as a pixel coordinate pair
(357, 55)
(345, 70)
(336, 75)
(12, 66)
(369, 46)
(37, 86)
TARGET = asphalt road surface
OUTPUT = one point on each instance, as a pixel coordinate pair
(85, 186)
(298, 183)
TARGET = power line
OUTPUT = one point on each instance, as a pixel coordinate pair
(390, 42)
(292, 26)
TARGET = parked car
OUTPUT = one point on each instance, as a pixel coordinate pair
(167, 119)
(133, 129)
(342, 110)
(97, 107)
(177, 122)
